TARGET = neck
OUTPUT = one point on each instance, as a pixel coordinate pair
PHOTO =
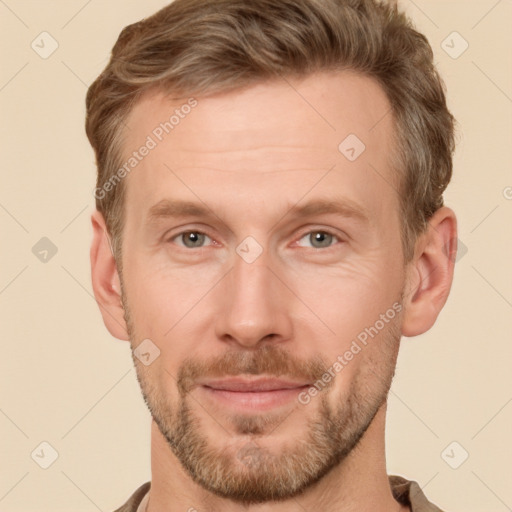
(360, 482)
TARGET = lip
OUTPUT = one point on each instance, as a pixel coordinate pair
(253, 385)
(260, 394)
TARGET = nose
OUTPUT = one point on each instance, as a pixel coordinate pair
(254, 305)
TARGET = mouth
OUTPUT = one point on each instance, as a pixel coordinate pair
(252, 394)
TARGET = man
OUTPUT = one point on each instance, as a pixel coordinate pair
(269, 223)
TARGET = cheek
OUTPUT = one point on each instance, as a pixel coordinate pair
(348, 297)
(361, 306)
(364, 366)
(160, 296)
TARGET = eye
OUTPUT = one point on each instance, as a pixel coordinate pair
(319, 239)
(191, 239)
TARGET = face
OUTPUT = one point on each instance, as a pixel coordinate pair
(263, 260)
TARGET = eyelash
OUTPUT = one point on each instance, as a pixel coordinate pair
(336, 238)
(323, 231)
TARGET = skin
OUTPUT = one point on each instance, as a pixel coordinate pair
(250, 156)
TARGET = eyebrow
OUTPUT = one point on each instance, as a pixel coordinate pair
(341, 207)
(178, 208)
(167, 208)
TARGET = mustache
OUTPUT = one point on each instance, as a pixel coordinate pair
(270, 360)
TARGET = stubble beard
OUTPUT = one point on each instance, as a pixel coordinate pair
(253, 473)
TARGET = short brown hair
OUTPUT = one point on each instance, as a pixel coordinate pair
(199, 47)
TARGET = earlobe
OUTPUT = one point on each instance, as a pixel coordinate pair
(430, 274)
(105, 279)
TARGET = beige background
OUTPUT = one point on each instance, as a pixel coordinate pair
(66, 381)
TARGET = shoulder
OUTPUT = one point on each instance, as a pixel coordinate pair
(408, 492)
(134, 501)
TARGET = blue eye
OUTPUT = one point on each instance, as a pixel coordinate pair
(192, 239)
(320, 239)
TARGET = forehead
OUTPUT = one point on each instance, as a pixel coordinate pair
(265, 142)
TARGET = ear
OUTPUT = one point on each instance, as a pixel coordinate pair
(105, 279)
(430, 273)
